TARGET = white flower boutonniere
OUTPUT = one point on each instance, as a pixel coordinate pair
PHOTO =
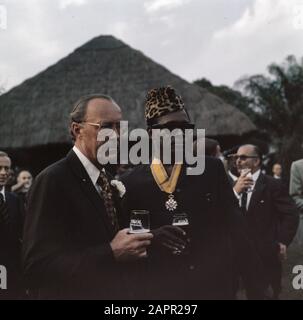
(119, 186)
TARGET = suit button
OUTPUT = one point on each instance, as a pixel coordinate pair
(178, 190)
(191, 268)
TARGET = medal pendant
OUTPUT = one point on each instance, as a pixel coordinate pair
(171, 204)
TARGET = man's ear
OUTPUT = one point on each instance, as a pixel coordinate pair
(75, 129)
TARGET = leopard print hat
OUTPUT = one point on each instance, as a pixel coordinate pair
(161, 101)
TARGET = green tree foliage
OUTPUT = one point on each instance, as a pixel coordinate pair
(274, 103)
(277, 101)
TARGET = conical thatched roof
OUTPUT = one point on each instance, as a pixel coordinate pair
(36, 112)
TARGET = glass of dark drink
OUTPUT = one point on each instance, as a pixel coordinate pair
(181, 220)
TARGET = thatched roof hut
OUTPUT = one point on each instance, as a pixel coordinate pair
(35, 113)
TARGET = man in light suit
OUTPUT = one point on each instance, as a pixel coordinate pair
(296, 191)
(72, 246)
(296, 183)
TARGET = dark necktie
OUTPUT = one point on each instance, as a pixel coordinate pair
(4, 217)
(107, 195)
(243, 202)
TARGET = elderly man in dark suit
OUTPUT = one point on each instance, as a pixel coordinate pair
(73, 247)
(204, 267)
(270, 214)
(11, 215)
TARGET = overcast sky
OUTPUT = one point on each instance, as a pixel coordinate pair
(221, 40)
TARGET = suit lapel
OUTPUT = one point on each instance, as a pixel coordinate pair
(8, 199)
(11, 204)
(89, 189)
(257, 192)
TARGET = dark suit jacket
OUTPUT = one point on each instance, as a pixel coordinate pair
(272, 217)
(10, 245)
(231, 180)
(67, 234)
(208, 270)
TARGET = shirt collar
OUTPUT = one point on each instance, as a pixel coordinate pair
(256, 175)
(90, 168)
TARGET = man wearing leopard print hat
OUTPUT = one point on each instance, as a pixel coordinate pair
(205, 267)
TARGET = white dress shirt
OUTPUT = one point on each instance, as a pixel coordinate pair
(2, 191)
(254, 177)
(92, 171)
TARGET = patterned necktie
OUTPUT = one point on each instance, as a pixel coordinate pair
(4, 217)
(107, 195)
(243, 202)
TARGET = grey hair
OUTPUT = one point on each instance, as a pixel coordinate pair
(3, 154)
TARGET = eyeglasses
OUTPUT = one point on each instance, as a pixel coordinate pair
(104, 125)
(244, 157)
(173, 125)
